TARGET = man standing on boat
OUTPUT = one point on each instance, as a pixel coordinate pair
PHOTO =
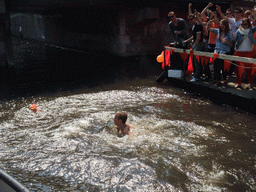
(178, 29)
(197, 38)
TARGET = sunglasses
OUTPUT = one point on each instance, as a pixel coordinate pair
(190, 19)
(171, 16)
(228, 13)
(236, 12)
(244, 24)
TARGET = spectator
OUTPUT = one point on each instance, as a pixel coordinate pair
(178, 29)
(197, 37)
(179, 33)
(234, 22)
(223, 44)
(234, 25)
(214, 16)
(244, 41)
(229, 13)
(254, 11)
(254, 34)
(248, 14)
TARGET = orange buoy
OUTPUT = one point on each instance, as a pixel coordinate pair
(33, 107)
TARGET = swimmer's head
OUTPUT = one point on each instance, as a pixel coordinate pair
(121, 116)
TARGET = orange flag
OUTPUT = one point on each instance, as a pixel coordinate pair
(182, 56)
(227, 65)
(253, 68)
(163, 63)
(171, 51)
(185, 56)
(190, 66)
(191, 54)
(202, 58)
(240, 69)
(215, 56)
(167, 60)
(206, 60)
(198, 58)
(211, 60)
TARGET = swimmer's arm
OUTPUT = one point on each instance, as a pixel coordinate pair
(129, 129)
(126, 130)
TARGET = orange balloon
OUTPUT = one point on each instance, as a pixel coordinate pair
(160, 58)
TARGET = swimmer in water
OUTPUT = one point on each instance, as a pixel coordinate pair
(120, 121)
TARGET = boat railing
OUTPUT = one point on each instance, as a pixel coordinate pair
(210, 54)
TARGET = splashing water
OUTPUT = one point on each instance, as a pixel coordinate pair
(179, 143)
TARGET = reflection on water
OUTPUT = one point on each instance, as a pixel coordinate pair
(180, 143)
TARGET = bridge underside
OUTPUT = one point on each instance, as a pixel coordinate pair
(46, 6)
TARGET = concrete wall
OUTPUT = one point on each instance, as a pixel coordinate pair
(130, 32)
(27, 25)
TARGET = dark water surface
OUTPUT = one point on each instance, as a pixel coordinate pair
(180, 142)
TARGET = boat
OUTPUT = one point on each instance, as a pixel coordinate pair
(9, 184)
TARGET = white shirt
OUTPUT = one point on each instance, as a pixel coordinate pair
(246, 45)
(234, 25)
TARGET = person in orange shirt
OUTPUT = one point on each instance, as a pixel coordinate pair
(214, 16)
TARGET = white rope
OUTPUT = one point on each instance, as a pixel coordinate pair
(243, 66)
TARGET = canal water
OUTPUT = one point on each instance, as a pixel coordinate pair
(180, 142)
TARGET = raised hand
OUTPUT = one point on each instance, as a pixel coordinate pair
(218, 8)
(210, 4)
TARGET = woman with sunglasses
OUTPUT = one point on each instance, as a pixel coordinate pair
(223, 44)
(234, 22)
(244, 43)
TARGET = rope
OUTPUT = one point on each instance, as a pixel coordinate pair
(243, 66)
(233, 57)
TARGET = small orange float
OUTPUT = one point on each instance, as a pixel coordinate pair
(33, 107)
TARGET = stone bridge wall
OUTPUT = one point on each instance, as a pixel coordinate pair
(123, 33)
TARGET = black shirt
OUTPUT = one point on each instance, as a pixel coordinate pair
(195, 29)
(182, 26)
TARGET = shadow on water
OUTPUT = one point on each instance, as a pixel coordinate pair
(47, 70)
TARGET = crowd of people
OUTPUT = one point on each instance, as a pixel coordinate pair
(232, 33)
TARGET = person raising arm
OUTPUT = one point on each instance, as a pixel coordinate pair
(197, 37)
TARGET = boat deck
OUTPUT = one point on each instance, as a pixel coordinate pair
(241, 98)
